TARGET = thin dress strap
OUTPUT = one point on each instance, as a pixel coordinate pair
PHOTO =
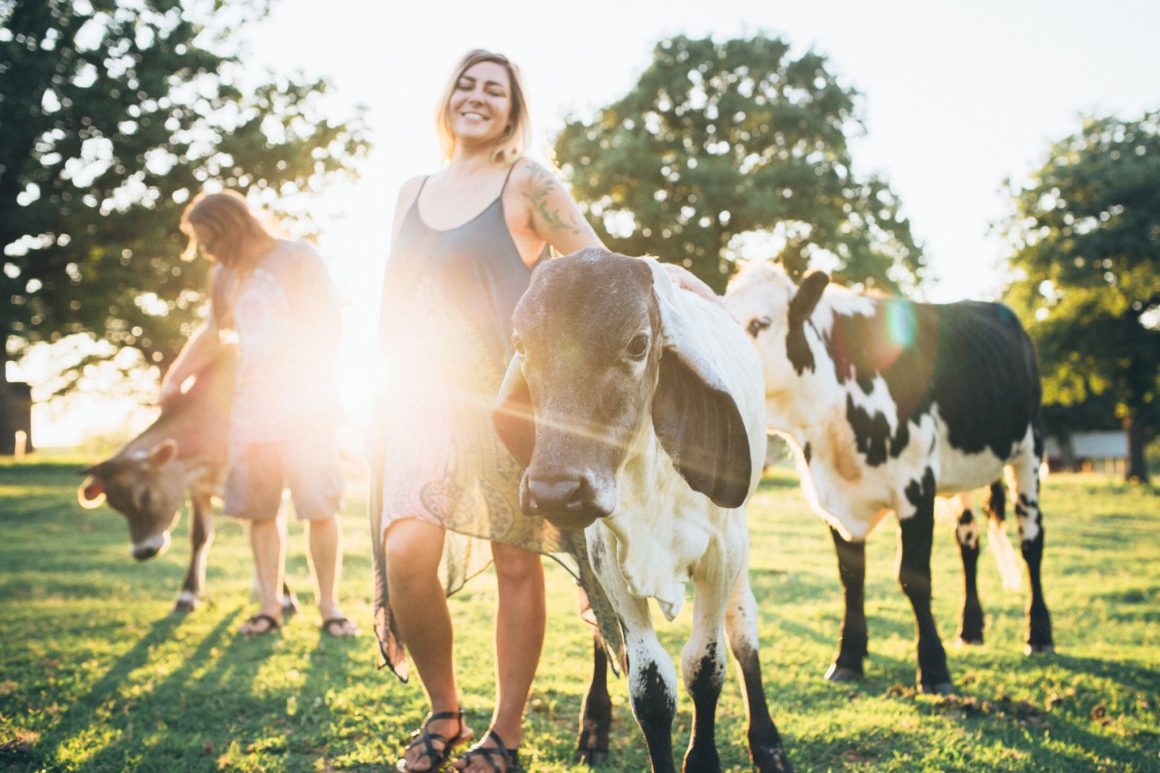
(507, 177)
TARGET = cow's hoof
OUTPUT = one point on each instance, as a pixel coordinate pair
(186, 602)
(289, 607)
(969, 641)
(770, 759)
(592, 745)
(703, 757)
(936, 688)
(838, 673)
(1046, 648)
(591, 757)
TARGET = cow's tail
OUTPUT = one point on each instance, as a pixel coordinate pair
(1006, 560)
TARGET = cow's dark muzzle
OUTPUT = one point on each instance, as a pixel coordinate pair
(151, 546)
(144, 554)
(567, 501)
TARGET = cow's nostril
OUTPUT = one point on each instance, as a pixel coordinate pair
(554, 495)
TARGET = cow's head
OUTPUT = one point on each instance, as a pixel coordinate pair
(144, 486)
(603, 357)
(776, 314)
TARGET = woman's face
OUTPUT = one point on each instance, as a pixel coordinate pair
(209, 240)
(481, 105)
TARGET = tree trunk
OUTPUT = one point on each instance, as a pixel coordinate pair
(1137, 468)
(7, 426)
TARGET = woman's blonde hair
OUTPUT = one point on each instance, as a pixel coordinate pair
(518, 134)
(233, 225)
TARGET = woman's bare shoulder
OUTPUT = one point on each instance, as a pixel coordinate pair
(410, 189)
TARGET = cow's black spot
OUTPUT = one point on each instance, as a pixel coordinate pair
(973, 360)
(920, 493)
(966, 518)
(654, 706)
(798, 349)
(997, 503)
(872, 434)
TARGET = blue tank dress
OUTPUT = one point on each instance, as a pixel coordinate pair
(445, 335)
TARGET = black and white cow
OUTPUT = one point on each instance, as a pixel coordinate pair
(637, 410)
(888, 403)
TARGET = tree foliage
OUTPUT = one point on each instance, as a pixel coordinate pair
(1085, 237)
(718, 142)
(113, 114)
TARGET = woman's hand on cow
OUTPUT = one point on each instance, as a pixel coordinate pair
(687, 280)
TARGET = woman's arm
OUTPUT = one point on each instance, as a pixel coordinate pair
(551, 212)
(554, 216)
(199, 351)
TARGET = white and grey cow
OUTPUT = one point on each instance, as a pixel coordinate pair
(637, 410)
(888, 403)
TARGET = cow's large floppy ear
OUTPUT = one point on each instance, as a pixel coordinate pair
(694, 414)
(801, 306)
(512, 416)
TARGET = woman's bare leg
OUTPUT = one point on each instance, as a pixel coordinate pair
(519, 638)
(413, 549)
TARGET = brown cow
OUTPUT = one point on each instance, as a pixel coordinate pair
(185, 449)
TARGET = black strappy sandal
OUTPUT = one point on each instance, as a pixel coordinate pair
(437, 757)
(509, 757)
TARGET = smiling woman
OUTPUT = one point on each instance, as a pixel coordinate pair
(464, 244)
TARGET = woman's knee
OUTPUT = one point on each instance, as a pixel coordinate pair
(413, 550)
(516, 565)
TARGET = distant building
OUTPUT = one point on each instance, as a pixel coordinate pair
(1104, 451)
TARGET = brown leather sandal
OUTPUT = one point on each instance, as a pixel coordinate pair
(509, 757)
(436, 757)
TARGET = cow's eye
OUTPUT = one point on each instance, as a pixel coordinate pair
(518, 345)
(757, 324)
(637, 347)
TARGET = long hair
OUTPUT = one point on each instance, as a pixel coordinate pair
(230, 227)
(518, 134)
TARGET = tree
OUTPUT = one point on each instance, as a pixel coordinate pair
(113, 114)
(719, 142)
(1085, 239)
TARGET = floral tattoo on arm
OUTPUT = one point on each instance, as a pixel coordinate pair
(539, 192)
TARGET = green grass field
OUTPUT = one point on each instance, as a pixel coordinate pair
(97, 674)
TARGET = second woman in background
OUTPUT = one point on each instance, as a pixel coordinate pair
(464, 243)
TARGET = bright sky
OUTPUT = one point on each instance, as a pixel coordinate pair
(957, 97)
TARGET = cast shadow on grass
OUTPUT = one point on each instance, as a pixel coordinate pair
(1127, 675)
(214, 709)
(83, 714)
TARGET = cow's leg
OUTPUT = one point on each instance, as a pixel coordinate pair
(652, 686)
(847, 666)
(289, 602)
(652, 678)
(200, 537)
(596, 712)
(967, 536)
(765, 749)
(917, 533)
(703, 659)
(1030, 520)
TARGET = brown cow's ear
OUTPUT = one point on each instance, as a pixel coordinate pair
(513, 417)
(694, 414)
(91, 494)
(163, 452)
(806, 298)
